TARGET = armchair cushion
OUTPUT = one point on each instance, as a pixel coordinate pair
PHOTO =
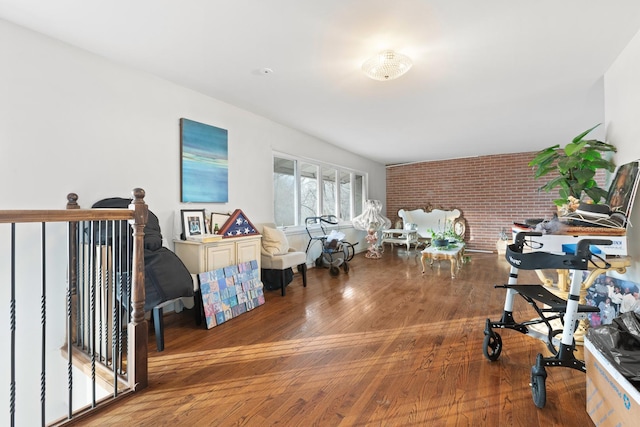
(274, 241)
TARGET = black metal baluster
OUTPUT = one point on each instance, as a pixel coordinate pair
(43, 321)
(74, 245)
(92, 318)
(115, 338)
(83, 288)
(12, 391)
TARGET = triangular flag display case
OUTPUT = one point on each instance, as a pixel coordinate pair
(237, 225)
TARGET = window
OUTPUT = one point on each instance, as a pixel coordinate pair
(308, 184)
(303, 188)
(284, 183)
(329, 191)
(358, 194)
(345, 195)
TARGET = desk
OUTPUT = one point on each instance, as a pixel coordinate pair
(396, 235)
(454, 253)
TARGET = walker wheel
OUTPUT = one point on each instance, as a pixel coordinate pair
(349, 251)
(334, 271)
(492, 346)
(538, 387)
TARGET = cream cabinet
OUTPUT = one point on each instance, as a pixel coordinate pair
(200, 257)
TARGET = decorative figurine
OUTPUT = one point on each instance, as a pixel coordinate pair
(372, 240)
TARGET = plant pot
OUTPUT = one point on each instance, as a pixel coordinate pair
(440, 243)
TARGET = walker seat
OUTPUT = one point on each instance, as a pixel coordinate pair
(555, 303)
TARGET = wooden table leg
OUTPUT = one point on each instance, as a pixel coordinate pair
(460, 260)
(423, 260)
(454, 267)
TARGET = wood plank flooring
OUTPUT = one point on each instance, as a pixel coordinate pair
(381, 346)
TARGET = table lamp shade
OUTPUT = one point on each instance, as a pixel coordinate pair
(371, 217)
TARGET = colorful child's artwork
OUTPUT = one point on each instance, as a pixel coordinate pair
(230, 291)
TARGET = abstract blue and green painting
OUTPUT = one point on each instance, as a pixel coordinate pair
(205, 163)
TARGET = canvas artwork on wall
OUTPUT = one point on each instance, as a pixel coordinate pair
(204, 163)
(230, 291)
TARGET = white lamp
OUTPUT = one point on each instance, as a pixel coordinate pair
(372, 221)
(387, 65)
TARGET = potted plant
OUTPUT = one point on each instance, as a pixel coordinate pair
(442, 237)
(574, 167)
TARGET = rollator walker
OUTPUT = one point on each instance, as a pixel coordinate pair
(568, 311)
(336, 252)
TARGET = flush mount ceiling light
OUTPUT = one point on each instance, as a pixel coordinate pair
(387, 65)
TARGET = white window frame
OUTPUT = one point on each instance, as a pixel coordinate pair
(299, 221)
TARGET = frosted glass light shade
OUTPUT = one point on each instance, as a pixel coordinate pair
(371, 217)
(387, 65)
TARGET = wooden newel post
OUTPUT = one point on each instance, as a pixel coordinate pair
(137, 328)
(72, 290)
(72, 203)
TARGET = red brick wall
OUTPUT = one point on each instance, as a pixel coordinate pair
(491, 192)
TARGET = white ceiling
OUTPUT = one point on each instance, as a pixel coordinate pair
(492, 76)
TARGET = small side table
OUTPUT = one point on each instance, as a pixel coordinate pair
(400, 236)
(453, 253)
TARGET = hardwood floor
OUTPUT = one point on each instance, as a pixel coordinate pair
(381, 346)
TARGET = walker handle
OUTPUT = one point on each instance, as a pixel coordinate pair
(521, 236)
(583, 250)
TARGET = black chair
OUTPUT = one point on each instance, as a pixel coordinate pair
(166, 277)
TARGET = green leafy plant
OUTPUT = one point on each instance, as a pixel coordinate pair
(445, 232)
(575, 166)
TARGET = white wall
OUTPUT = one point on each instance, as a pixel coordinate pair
(622, 105)
(71, 121)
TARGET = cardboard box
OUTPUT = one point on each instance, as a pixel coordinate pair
(611, 399)
(553, 243)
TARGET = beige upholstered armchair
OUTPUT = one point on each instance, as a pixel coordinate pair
(277, 255)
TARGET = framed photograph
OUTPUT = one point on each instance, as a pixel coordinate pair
(193, 223)
(622, 190)
(204, 163)
(220, 219)
(612, 296)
